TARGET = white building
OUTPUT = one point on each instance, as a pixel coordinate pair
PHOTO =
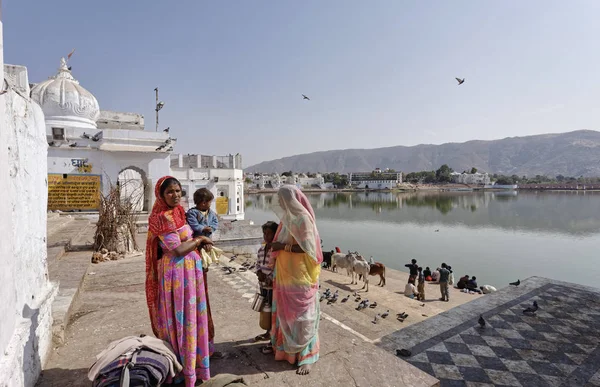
(375, 180)
(261, 181)
(25, 292)
(470, 178)
(222, 175)
(90, 150)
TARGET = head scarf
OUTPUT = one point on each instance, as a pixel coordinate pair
(297, 221)
(162, 220)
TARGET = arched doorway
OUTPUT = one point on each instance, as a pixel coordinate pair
(132, 182)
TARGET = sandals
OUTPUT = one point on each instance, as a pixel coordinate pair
(266, 350)
(218, 355)
(264, 336)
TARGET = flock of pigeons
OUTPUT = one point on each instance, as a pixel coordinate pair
(362, 304)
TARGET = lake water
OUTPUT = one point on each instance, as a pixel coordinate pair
(498, 237)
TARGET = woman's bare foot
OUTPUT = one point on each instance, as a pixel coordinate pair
(304, 369)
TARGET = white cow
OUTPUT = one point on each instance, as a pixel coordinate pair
(361, 268)
(344, 261)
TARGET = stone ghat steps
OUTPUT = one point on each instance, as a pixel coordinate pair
(66, 233)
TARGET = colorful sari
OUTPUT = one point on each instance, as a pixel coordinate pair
(175, 290)
(295, 308)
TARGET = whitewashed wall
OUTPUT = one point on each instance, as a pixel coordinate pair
(26, 293)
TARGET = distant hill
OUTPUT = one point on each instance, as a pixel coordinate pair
(569, 154)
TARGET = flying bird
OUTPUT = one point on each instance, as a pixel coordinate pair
(481, 321)
(532, 309)
(460, 81)
(305, 97)
(517, 283)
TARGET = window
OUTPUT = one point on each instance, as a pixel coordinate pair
(58, 133)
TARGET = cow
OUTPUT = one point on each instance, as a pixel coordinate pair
(361, 269)
(327, 259)
(344, 261)
(377, 268)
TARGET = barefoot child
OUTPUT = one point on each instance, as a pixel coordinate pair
(421, 285)
(264, 270)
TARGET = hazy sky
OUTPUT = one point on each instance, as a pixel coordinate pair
(379, 73)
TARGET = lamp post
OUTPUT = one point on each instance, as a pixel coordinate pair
(159, 105)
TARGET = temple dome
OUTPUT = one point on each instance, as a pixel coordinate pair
(65, 102)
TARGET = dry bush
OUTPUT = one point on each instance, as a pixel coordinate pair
(116, 228)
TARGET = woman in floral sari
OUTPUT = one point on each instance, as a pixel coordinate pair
(175, 290)
(298, 258)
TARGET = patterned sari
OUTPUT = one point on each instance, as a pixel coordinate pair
(295, 308)
(175, 290)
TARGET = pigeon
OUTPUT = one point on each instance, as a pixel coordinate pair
(73, 145)
(160, 147)
(460, 81)
(402, 315)
(97, 136)
(305, 97)
(69, 68)
(385, 314)
(481, 321)
(437, 230)
(322, 298)
(51, 143)
(167, 130)
(85, 135)
(517, 283)
(332, 300)
(376, 319)
(531, 309)
(345, 299)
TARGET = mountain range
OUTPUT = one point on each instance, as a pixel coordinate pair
(569, 154)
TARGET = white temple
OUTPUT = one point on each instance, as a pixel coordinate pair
(90, 150)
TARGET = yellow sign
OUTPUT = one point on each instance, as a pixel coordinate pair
(222, 204)
(74, 192)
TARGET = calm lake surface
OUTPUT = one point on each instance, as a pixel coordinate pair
(497, 237)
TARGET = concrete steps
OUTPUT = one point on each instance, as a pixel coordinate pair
(66, 233)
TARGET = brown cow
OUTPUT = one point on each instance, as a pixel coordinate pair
(378, 268)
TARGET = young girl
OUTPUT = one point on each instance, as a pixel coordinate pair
(264, 270)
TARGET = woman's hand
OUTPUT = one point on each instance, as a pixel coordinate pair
(277, 246)
(202, 240)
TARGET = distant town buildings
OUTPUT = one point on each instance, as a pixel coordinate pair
(470, 178)
(377, 179)
(274, 181)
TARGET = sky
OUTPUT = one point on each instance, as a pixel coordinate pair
(379, 73)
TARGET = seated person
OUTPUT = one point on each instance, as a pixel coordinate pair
(435, 275)
(411, 290)
(427, 273)
(462, 282)
(472, 285)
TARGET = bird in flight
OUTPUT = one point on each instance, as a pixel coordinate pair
(305, 97)
(460, 81)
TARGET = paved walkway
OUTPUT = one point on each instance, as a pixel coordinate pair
(558, 346)
(112, 305)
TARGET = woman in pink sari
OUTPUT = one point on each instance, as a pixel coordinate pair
(298, 258)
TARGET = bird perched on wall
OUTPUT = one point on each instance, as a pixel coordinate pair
(481, 321)
(305, 97)
(97, 136)
(161, 147)
(531, 309)
(51, 143)
(73, 145)
(516, 283)
(167, 130)
(460, 81)
(85, 135)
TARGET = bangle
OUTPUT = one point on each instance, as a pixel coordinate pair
(198, 241)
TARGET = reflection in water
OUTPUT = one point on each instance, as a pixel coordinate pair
(565, 212)
(496, 236)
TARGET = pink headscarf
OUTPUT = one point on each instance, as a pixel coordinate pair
(297, 221)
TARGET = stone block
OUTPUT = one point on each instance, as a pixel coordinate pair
(16, 76)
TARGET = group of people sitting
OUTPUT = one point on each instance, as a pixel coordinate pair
(444, 276)
(177, 289)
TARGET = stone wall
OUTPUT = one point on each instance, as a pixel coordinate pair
(26, 293)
